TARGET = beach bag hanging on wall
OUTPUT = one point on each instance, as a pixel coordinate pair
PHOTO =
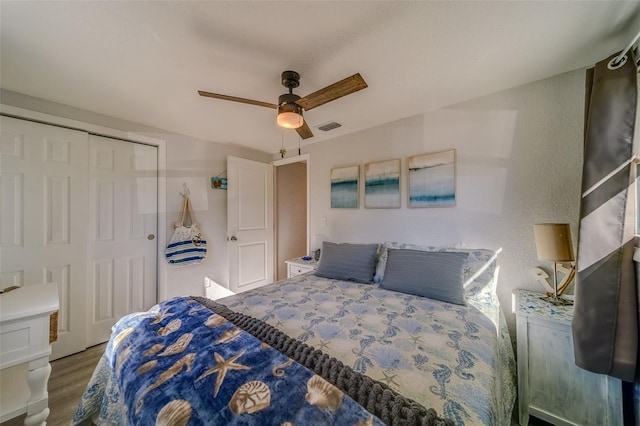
(187, 245)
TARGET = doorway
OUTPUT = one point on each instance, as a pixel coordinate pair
(291, 211)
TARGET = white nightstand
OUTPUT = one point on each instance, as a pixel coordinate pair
(550, 385)
(299, 266)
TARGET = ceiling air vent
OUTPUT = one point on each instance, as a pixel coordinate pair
(329, 126)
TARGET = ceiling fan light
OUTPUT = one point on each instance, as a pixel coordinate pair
(290, 120)
(290, 116)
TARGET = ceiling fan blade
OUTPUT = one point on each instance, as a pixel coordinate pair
(235, 99)
(304, 131)
(336, 90)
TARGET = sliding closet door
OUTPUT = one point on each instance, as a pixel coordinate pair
(43, 234)
(123, 216)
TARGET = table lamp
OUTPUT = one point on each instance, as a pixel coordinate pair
(553, 243)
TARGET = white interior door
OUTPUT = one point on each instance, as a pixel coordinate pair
(123, 228)
(249, 223)
(43, 230)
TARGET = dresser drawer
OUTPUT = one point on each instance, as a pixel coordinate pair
(300, 265)
(23, 340)
(295, 270)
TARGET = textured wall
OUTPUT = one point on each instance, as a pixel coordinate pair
(519, 159)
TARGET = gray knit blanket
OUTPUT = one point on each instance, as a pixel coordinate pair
(378, 398)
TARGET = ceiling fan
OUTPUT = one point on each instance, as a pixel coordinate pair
(290, 106)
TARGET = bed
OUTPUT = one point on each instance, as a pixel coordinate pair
(316, 349)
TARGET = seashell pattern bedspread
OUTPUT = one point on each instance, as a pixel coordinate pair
(181, 364)
(455, 359)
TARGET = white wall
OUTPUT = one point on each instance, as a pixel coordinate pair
(519, 162)
(194, 162)
(189, 160)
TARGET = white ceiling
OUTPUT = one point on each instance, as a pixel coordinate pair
(145, 61)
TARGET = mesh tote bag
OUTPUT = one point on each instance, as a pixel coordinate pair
(187, 245)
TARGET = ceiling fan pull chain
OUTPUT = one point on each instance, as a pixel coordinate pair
(282, 150)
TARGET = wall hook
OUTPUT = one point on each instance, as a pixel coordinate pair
(185, 190)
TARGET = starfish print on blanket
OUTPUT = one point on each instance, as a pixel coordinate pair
(388, 379)
(222, 367)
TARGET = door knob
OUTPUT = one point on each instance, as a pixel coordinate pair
(233, 238)
(150, 237)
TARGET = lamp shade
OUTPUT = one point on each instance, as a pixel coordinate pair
(289, 120)
(553, 242)
(289, 113)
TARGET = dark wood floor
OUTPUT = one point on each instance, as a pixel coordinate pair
(69, 377)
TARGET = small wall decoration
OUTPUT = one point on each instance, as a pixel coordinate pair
(432, 179)
(218, 182)
(382, 185)
(344, 187)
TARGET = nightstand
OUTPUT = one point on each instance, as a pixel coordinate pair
(300, 266)
(550, 385)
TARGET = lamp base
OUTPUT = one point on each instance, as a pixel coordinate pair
(557, 300)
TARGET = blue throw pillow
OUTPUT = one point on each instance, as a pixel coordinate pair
(436, 275)
(347, 262)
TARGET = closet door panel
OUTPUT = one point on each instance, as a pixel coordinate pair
(80, 211)
(44, 191)
(123, 227)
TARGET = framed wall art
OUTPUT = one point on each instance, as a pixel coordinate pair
(432, 179)
(382, 185)
(344, 187)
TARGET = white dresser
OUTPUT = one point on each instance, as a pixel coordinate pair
(300, 266)
(550, 386)
(27, 329)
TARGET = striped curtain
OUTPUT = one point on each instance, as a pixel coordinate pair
(606, 318)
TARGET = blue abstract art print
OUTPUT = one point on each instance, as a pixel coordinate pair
(432, 180)
(344, 187)
(382, 184)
